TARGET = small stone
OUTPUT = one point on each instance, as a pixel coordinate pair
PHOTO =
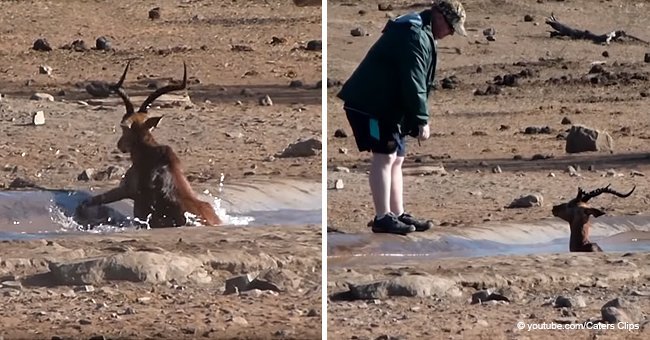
(527, 201)
(12, 284)
(238, 284)
(340, 133)
(358, 32)
(489, 32)
(84, 289)
(637, 173)
(154, 13)
(385, 7)
(528, 18)
(572, 171)
(103, 44)
(480, 296)
(42, 96)
(482, 323)
(497, 170)
(85, 322)
(266, 101)
(314, 45)
(238, 320)
(296, 84)
(86, 175)
(341, 169)
(312, 312)
(42, 44)
(44, 69)
(646, 58)
(565, 121)
(143, 300)
(343, 151)
(605, 54)
(338, 184)
(38, 118)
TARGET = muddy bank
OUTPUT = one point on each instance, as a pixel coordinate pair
(164, 284)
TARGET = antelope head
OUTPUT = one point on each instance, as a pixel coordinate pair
(577, 210)
(137, 126)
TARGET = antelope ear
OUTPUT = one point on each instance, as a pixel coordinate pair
(594, 212)
(152, 122)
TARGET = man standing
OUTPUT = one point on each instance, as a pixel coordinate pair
(386, 100)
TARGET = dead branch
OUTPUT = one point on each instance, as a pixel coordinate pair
(563, 30)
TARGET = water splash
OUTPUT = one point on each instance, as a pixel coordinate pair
(69, 224)
(221, 211)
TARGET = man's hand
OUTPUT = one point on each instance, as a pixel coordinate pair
(423, 133)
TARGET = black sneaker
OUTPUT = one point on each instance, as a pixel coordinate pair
(419, 225)
(391, 224)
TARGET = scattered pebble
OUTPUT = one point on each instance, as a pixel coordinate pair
(358, 32)
(38, 118)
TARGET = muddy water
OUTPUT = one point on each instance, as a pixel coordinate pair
(613, 234)
(38, 213)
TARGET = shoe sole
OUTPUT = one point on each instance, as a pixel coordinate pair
(396, 232)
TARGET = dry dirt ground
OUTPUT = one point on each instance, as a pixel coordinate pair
(471, 135)
(232, 63)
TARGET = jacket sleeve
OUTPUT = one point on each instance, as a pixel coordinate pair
(413, 78)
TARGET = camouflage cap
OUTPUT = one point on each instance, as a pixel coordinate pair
(454, 12)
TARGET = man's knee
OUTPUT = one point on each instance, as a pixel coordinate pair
(399, 160)
(384, 158)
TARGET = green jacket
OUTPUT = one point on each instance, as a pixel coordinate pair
(393, 81)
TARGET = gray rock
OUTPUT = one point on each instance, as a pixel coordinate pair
(621, 310)
(44, 69)
(584, 139)
(410, 286)
(103, 44)
(12, 284)
(304, 147)
(134, 266)
(98, 89)
(569, 302)
(86, 175)
(238, 320)
(238, 283)
(42, 97)
(358, 32)
(338, 184)
(480, 296)
(266, 101)
(314, 45)
(42, 44)
(527, 201)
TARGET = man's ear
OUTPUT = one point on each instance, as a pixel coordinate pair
(594, 212)
(152, 122)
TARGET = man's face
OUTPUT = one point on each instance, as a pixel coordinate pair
(440, 27)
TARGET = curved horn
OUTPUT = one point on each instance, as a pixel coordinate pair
(166, 89)
(120, 91)
(607, 190)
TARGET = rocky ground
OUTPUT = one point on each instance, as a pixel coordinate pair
(254, 72)
(174, 284)
(506, 98)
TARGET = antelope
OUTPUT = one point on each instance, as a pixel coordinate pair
(577, 212)
(155, 181)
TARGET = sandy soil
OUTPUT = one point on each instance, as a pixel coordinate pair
(474, 134)
(231, 65)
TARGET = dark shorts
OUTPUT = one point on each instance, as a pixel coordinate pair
(371, 135)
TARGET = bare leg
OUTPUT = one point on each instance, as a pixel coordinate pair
(397, 187)
(380, 182)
